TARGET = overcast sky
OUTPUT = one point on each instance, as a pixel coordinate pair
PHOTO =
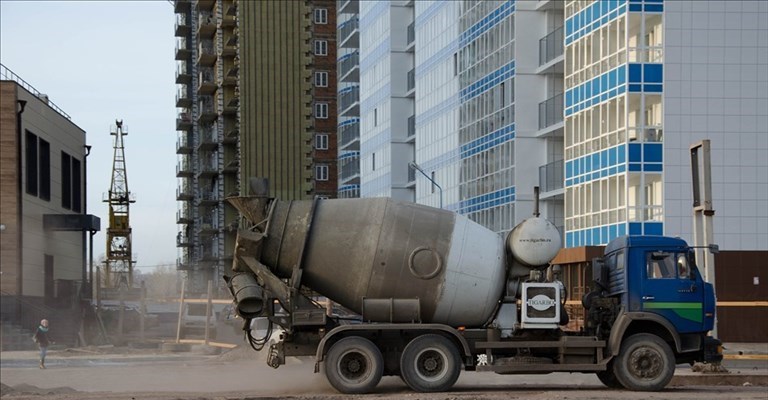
(98, 61)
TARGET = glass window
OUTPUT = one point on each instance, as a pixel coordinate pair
(321, 47)
(321, 141)
(321, 110)
(661, 265)
(321, 16)
(321, 172)
(321, 79)
(683, 270)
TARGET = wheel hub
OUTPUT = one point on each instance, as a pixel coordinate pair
(645, 363)
(352, 365)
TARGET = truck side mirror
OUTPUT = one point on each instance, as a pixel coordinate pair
(600, 272)
(713, 248)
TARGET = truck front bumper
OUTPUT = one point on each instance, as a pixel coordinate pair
(713, 350)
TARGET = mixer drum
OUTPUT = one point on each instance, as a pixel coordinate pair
(383, 248)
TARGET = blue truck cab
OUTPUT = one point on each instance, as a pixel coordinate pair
(650, 286)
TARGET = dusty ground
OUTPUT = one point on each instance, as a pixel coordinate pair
(142, 374)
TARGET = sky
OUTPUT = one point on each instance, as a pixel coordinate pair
(100, 61)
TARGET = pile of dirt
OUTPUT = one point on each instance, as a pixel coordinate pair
(24, 389)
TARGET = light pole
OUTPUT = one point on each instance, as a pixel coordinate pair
(415, 166)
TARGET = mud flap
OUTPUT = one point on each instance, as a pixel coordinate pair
(713, 350)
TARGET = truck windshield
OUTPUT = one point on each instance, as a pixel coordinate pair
(664, 265)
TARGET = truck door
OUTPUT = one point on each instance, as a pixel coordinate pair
(673, 291)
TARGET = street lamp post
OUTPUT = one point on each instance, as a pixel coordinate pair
(415, 166)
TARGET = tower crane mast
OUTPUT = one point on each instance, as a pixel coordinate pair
(119, 263)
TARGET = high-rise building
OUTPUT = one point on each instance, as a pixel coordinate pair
(645, 79)
(468, 90)
(348, 30)
(254, 78)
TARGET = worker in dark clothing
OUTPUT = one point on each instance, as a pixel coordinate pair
(42, 340)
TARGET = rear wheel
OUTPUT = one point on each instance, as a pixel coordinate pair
(645, 363)
(354, 365)
(430, 363)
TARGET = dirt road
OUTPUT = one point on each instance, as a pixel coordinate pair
(168, 377)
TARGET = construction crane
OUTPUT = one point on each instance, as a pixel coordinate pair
(119, 263)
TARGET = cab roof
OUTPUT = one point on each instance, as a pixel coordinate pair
(644, 241)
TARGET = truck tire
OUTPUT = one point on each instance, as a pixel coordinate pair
(354, 365)
(645, 363)
(430, 363)
(608, 378)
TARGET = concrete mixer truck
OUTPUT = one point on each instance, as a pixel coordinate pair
(436, 293)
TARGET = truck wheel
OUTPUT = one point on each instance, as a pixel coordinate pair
(354, 365)
(430, 363)
(608, 378)
(645, 363)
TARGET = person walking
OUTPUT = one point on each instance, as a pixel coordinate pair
(42, 340)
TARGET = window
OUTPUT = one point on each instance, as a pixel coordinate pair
(321, 16)
(321, 79)
(375, 117)
(683, 270)
(432, 181)
(66, 181)
(661, 265)
(373, 161)
(321, 47)
(321, 110)
(321, 141)
(321, 172)
(76, 192)
(31, 163)
(44, 153)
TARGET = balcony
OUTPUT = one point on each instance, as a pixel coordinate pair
(230, 14)
(183, 73)
(207, 110)
(231, 135)
(205, 5)
(349, 167)
(206, 24)
(183, 99)
(183, 264)
(208, 197)
(349, 134)
(349, 101)
(551, 111)
(231, 101)
(208, 139)
(184, 169)
(183, 240)
(551, 176)
(184, 193)
(182, 28)
(351, 191)
(182, 6)
(349, 67)
(347, 6)
(349, 34)
(206, 57)
(551, 46)
(208, 168)
(411, 129)
(230, 77)
(231, 165)
(183, 144)
(184, 216)
(183, 52)
(206, 84)
(230, 45)
(183, 121)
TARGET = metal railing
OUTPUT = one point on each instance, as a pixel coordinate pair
(347, 28)
(551, 176)
(182, 141)
(411, 79)
(8, 75)
(551, 46)
(411, 35)
(182, 68)
(348, 62)
(551, 111)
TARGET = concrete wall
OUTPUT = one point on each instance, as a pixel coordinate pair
(9, 175)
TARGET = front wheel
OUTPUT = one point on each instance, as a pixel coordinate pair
(430, 363)
(645, 363)
(354, 365)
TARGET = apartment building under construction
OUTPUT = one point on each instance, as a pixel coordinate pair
(256, 97)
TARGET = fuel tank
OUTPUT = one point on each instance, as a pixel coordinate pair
(351, 249)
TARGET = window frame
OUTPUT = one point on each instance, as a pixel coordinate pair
(321, 78)
(321, 16)
(321, 141)
(322, 172)
(321, 47)
(321, 110)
